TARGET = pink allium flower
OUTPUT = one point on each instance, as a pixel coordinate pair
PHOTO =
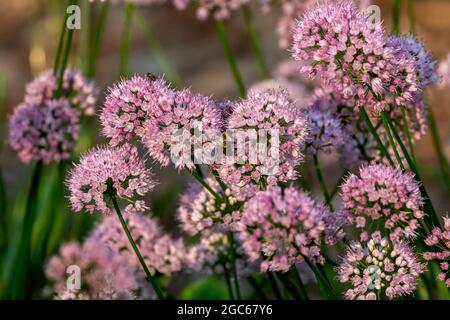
(283, 228)
(439, 241)
(272, 113)
(109, 172)
(185, 131)
(44, 132)
(130, 103)
(444, 71)
(218, 9)
(353, 56)
(379, 268)
(81, 92)
(162, 254)
(103, 273)
(384, 195)
(425, 64)
(199, 210)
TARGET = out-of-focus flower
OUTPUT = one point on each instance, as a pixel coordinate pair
(379, 268)
(444, 71)
(81, 92)
(104, 274)
(439, 241)
(283, 228)
(354, 57)
(109, 172)
(199, 210)
(131, 102)
(258, 159)
(44, 132)
(186, 132)
(218, 9)
(162, 254)
(384, 196)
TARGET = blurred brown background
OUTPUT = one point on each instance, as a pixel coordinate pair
(29, 33)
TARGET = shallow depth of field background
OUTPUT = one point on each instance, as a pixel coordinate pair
(29, 34)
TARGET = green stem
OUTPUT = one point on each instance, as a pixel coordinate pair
(323, 186)
(226, 273)
(98, 34)
(289, 286)
(257, 288)
(396, 11)
(322, 279)
(60, 44)
(374, 133)
(300, 284)
(254, 43)
(233, 265)
(338, 184)
(151, 279)
(125, 39)
(411, 16)
(21, 276)
(391, 141)
(230, 57)
(160, 56)
(199, 178)
(407, 134)
(274, 285)
(3, 218)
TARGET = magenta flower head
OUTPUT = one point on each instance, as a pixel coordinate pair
(353, 55)
(439, 241)
(383, 195)
(183, 131)
(425, 65)
(103, 273)
(284, 227)
(162, 254)
(200, 211)
(269, 133)
(379, 268)
(104, 173)
(130, 103)
(44, 132)
(81, 92)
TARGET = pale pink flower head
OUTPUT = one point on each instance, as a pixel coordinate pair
(199, 210)
(384, 196)
(162, 254)
(217, 9)
(272, 131)
(439, 241)
(283, 227)
(379, 268)
(81, 93)
(44, 132)
(184, 131)
(109, 172)
(352, 54)
(130, 102)
(444, 72)
(104, 274)
(425, 64)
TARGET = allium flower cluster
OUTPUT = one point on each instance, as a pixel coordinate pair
(130, 103)
(354, 56)
(104, 273)
(385, 197)
(162, 254)
(444, 71)
(199, 210)
(186, 132)
(218, 9)
(81, 92)
(44, 132)
(379, 268)
(268, 113)
(283, 228)
(104, 173)
(439, 241)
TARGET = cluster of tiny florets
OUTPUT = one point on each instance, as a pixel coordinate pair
(217, 9)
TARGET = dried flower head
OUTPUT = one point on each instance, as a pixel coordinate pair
(44, 132)
(385, 197)
(282, 228)
(104, 173)
(103, 273)
(379, 268)
(439, 241)
(81, 92)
